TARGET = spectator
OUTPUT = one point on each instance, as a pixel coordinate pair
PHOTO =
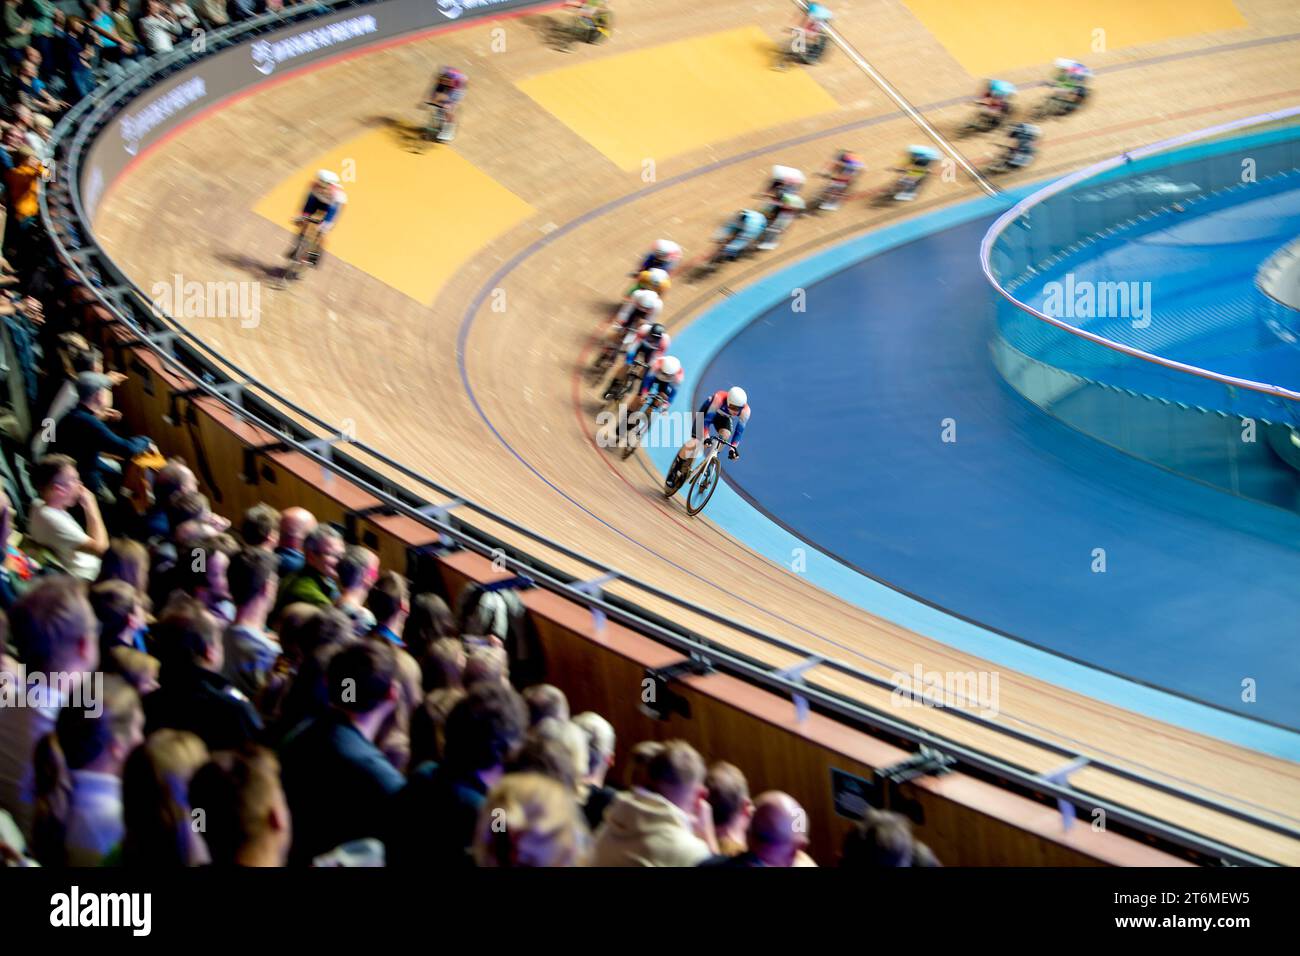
(121, 12)
(244, 806)
(444, 664)
(127, 561)
(429, 621)
(22, 197)
(173, 479)
(295, 525)
(160, 28)
(43, 14)
(669, 823)
(183, 15)
(600, 757)
(49, 524)
(208, 564)
(160, 831)
(428, 726)
(55, 633)
(122, 622)
(556, 748)
(261, 528)
(389, 602)
(357, 572)
(213, 14)
(241, 9)
(485, 664)
(732, 808)
(529, 820)
(84, 435)
(434, 817)
(777, 835)
(545, 700)
(194, 695)
(310, 638)
(883, 839)
(18, 31)
(251, 648)
(317, 582)
(79, 777)
(638, 763)
(99, 20)
(338, 783)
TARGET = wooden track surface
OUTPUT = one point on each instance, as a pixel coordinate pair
(351, 348)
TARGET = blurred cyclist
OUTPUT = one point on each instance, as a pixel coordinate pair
(843, 171)
(325, 200)
(665, 254)
(656, 280)
(595, 17)
(780, 214)
(448, 91)
(724, 414)
(739, 233)
(996, 103)
(810, 36)
(662, 378)
(920, 160)
(642, 306)
(649, 343)
(1022, 145)
(1070, 86)
(785, 179)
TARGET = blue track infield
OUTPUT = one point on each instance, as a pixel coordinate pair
(845, 470)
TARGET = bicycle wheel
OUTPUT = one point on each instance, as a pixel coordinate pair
(702, 487)
(634, 439)
(675, 478)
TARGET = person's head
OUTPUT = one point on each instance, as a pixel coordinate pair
(546, 700)
(600, 745)
(126, 560)
(362, 679)
(120, 611)
(485, 730)
(778, 830)
(173, 477)
(27, 70)
(388, 600)
(54, 628)
(638, 763)
(208, 562)
(155, 802)
(186, 635)
(323, 549)
(292, 626)
(443, 664)
(429, 620)
(358, 569)
(529, 820)
(187, 506)
(57, 481)
(429, 722)
(729, 798)
(295, 525)
(260, 527)
(676, 773)
(486, 665)
(245, 810)
(252, 578)
(556, 748)
(884, 839)
(95, 739)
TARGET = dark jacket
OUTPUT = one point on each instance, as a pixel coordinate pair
(84, 437)
(338, 784)
(433, 818)
(203, 702)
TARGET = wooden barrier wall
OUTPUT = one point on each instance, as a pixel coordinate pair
(966, 821)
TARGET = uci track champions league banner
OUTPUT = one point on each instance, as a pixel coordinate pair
(158, 110)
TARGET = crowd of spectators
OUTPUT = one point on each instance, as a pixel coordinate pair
(183, 688)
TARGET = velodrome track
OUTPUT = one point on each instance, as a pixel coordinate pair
(410, 349)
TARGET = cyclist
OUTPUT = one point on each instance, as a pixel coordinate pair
(663, 377)
(809, 42)
(642, 306)
(665, 254)
(448, 90)
(1022, 148)
(656, 280)
(325, 200)
(726, 411)
(785, 179)
(917, 171)
(843, 171)
(1071, 83)
(649, 342)
(780, 214)
(595, 18)
(995, 104)
(738, 233)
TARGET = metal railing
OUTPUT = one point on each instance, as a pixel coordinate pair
(440, 508)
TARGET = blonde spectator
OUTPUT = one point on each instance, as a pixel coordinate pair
(529, 820)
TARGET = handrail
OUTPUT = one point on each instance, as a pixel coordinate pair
(1021, 208)
(144, 321)
(1282, 264)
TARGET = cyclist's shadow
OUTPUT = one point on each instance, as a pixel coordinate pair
(251, 266)
(408, 135)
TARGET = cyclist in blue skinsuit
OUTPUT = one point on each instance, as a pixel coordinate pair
(324, 202)
(739, 233)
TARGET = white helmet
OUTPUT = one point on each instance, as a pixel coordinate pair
(670, 366)
(666, 247)
(736, 397)
(646, 299)
(328, 177)
(788, 175)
